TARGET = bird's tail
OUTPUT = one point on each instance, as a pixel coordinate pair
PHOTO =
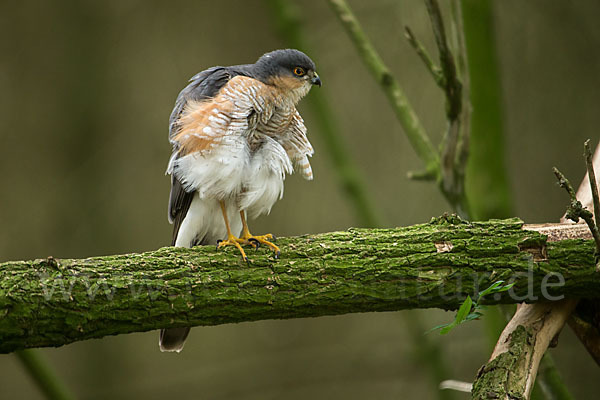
(205, 227)
(173, 339)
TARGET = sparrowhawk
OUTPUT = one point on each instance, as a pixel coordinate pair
(235, 133)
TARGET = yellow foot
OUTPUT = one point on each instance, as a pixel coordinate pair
(233, 241)
(256, 241)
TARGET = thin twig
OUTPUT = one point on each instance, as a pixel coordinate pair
(458, 34)
(436, 71)
(587, 153)
(453, 88)
(576, 210)
(404, 112)
(584, 191)
(563, 182)
(458, 40)
(455, 143)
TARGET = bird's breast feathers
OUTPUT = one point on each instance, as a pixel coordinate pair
(242, 142)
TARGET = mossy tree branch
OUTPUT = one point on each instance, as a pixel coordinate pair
(54, 302)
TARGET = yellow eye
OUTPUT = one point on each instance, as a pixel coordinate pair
(299, 71)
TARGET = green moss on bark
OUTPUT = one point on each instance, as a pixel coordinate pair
(505, 376)
(55, 302)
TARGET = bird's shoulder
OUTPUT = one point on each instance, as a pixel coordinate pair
(204, 86)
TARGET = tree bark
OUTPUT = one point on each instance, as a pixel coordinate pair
(513, 366)
(53, 302)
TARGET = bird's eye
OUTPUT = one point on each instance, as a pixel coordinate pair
(299, 71)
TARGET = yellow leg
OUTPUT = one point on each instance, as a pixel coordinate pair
(249, 238)
(231, 240)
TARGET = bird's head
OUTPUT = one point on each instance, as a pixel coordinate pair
(289, 69)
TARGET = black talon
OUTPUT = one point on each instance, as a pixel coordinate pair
(255, 243)
(277, 255)
(218, 242)
(273, 238)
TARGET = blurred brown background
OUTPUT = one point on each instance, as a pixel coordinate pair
(86, 88)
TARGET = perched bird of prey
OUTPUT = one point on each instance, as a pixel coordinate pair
(235, 133)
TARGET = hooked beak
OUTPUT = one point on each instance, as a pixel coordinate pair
(316, 80)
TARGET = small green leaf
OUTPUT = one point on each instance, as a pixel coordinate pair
(507, 287)
(470, 310)
(461, 315)
(490, 289)
(494, 288)
(463, 311)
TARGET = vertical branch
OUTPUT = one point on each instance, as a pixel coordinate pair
(584, 192)
(455, 146)
(487, 182)
(452, 85)
(42, 374)
(463, 70)
(288, 24)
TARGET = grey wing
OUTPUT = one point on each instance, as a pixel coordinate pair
(179, 204)
(204, 85)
